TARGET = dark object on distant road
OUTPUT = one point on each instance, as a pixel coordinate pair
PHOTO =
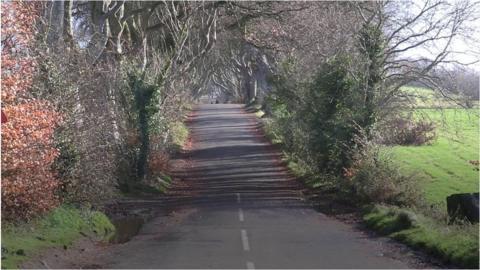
(216, 101)
(463, 206)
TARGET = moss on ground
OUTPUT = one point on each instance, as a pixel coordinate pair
(457, 244)
(59, 228)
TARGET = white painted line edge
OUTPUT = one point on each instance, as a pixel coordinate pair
(245, 244)
(250, 265)
(240, 215)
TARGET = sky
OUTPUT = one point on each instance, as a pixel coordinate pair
(464, 48)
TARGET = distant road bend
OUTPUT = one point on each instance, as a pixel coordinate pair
(243, 211)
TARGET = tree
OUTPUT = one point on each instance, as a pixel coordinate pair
(416, 40)
(122, 75)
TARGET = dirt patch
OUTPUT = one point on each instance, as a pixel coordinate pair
(85, 249)
(126, 228)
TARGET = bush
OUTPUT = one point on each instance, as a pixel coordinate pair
(158, 162)
(373, 177)
(314, 117)
(28, 151)
(326, 128)
(406, 131)
(127, 166)
(93, 129)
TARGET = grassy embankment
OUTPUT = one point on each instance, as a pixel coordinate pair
(442, 168)
(453, 244)
(59, 228)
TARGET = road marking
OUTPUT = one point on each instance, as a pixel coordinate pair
(250, 265)
(238, 198)
(245, 244)
(240, 215)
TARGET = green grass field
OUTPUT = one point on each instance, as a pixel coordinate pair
(418, 97)
(443, 167)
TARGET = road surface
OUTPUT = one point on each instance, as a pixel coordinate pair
(242, 210)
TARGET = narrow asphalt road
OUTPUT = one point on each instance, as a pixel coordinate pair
(240, 209)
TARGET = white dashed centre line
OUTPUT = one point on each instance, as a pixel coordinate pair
(245, 244)
(240, 215)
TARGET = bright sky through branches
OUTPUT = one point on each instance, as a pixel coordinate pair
(464, 47)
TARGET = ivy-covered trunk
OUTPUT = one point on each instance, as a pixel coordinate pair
(143, 95)
(372, 46)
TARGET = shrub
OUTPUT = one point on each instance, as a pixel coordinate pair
(374, 178)
(406, 131)
(65, 162)
(158, 162)
(93, 128)
(315, 117)
(28, 151)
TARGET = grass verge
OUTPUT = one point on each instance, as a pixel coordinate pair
(179, 134)
(59, 228)
(456, 244)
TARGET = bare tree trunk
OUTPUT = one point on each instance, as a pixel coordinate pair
(101, 28)
(67, 22)
(116, 28)
(56, 21)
